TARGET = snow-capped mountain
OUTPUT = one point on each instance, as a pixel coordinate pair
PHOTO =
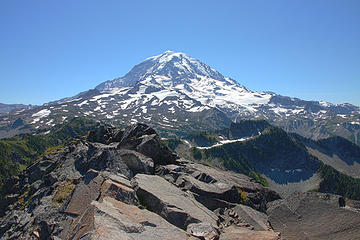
(177, 94)
(177, 74)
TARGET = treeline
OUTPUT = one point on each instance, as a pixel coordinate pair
(338, 183)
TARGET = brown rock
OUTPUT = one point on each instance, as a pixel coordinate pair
(238, 233)
(84, 193)
(117, 220)
(118, 191)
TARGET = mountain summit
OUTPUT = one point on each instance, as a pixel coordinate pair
(178, 94)
(176, 66)
(177, 72)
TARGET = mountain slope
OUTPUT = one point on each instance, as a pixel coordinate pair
(18, 152)
(176, 93)
(285, 162)
(337, 152)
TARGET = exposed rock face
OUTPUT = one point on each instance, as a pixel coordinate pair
(54, 196)
(215, 188)
(125, 184)
(258, 220)
(116, 220)
(314, 216)
(176, 206)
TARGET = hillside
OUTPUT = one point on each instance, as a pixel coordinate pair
(282, 161)
(18, 152)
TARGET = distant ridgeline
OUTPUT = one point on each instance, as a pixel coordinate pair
(255, 148)
(274, 157)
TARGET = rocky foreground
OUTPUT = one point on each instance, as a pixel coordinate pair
(125, 184)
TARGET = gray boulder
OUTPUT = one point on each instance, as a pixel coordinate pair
(258, 220)
(136, 162)
(117, 220)
(203, 230)
(216, 188)
(176, 206)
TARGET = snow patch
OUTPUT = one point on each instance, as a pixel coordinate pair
(223, 142)
(82, 103)
(41, 114)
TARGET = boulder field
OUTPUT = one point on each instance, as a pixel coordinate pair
(126, 184)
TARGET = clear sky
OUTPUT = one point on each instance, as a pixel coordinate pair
(308, 49)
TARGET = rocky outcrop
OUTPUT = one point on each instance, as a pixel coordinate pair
(116, 220)
(176, 206)
(216, 188)
(258, 220)
(314, 216)
(125, 184)
(139, 137)
(59, 189)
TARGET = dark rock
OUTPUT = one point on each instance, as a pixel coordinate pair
(39, 169)
(17, 123)
(137, 162)
(152, 147)
(116, 135)
(341, 202)
(145, 140)
(99, 157)
(102, 134)
(138, 137)
(135, 131)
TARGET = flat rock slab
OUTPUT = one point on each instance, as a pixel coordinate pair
(314, 216)
(216, 188)
(85, 192)
(118, 191)
(115, 220)
(176, 206)
(236, 233)
(255, 218)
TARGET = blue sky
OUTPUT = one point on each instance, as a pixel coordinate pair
(308, 49)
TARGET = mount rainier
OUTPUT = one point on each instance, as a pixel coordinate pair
(177, 94)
